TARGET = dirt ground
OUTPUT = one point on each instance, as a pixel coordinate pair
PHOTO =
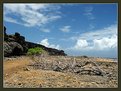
(59, 72)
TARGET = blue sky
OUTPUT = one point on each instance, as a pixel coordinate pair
(78, 29)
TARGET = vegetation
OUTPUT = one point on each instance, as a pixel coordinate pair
(35, 51)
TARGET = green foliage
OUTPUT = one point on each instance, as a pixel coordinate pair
(35, 51)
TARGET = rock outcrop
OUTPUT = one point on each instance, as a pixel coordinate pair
(16, 45)
(12, 49)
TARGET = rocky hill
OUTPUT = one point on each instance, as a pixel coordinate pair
(15, 45)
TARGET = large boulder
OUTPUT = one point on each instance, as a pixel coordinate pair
(12, 49)
(21, 40)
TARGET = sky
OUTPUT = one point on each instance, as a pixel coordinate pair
(78, 29)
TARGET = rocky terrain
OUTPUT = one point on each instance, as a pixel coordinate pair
(59, 72)
(15, 45)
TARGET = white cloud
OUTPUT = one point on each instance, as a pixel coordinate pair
(65, 29)
(9, 19)
(47, 44)
(105, 43)
(81, 44)
(103, 39)
(38, 6)
(88, 13)
(98, 34)
(45, 30)
(31, 14)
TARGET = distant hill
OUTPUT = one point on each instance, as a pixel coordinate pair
(15, 45)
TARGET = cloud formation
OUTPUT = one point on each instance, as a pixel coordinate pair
(81, 44)
(45, 30)
(88, 13)
(103, 39)
(31, 15)
(65, 29)
(47, 44)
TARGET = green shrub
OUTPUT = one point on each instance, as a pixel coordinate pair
(35, 51)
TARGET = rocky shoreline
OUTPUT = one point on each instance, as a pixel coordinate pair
(60, 72)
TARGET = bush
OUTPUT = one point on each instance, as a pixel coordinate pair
(35, 51)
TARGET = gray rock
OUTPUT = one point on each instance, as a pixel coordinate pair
(56, 68)
(91, 68)
(12, 49)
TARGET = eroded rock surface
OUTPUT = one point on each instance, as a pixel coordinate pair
(59, 72)
(12, 49)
